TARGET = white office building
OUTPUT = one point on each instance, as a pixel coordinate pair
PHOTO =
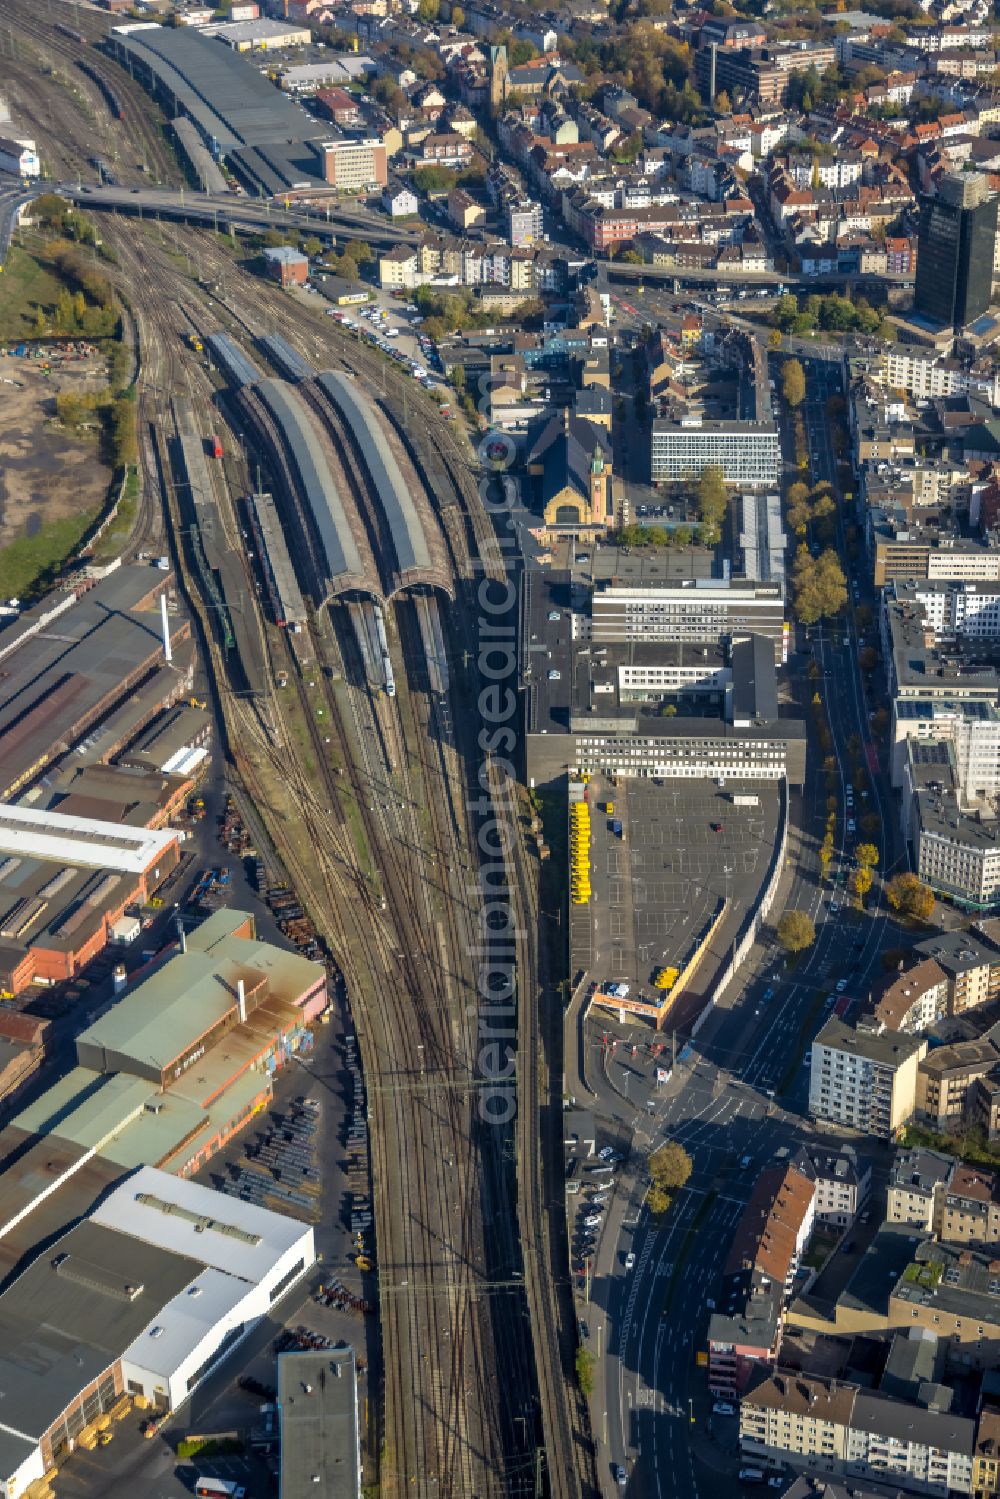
(749, 453)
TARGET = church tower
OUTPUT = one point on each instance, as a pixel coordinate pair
(499, 84)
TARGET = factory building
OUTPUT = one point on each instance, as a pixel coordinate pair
(87, 662)
(176, 1067)
(143, 1297)
(64, 882)
(320, 1433)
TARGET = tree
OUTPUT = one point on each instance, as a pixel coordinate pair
(434, 179)
(585, 1370)
(457, 17)
(910, 897)
(861, 882)
(793, 383)
(713, 501)
(657, 1200)
(669, 1166)
(867, 855)
(795, 931)
(311, 246)
(880, 723)
(427, 10)
(774, 339)
(867, 658)
(722, 103)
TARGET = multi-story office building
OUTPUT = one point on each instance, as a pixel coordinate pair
(354, 165)
(972, 729)
(901, 548)
(946, 1083)
(703, 611)
(864, 1079)
(586, 704)
(749, 453)
(954, 283)
(957, 851)
(953, 609)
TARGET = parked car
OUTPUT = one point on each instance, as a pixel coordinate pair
(630, 1260)
(723, 1408)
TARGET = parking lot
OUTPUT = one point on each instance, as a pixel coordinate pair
(685, 852)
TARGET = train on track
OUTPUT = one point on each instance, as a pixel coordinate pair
(103, 171)
(107, 94)
(383, 650)
(74, 36)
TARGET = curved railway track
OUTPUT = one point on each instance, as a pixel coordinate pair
(139, 115)
(443, 1337)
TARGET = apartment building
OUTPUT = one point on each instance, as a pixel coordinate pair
(946, 1083)
(786, 1416)
(953, 1292)
(918, 1179)
(921, 373)
(524, 222)
(839, 1428)
(748, 453)
(864, 1079)
(970, 1209)
(971, 963)
(842, 1181)
(913, 1000)
(758, 1277)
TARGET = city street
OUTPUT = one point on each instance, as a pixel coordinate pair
(738, 1095)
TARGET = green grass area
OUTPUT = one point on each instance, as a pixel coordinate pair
(358, 834)
(970, 1147)
(25, 286)
(112, 543)
(29, 564)
(805, 1035)
(924, 1275)
(208, 1446)
(820, 1247)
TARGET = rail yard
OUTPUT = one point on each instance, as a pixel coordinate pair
(328, 558)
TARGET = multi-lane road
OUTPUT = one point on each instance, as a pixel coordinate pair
(739, 1095)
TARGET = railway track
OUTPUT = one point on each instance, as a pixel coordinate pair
(440, 1422)
(564, 1427)
(448, 1321)
(139, 123)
